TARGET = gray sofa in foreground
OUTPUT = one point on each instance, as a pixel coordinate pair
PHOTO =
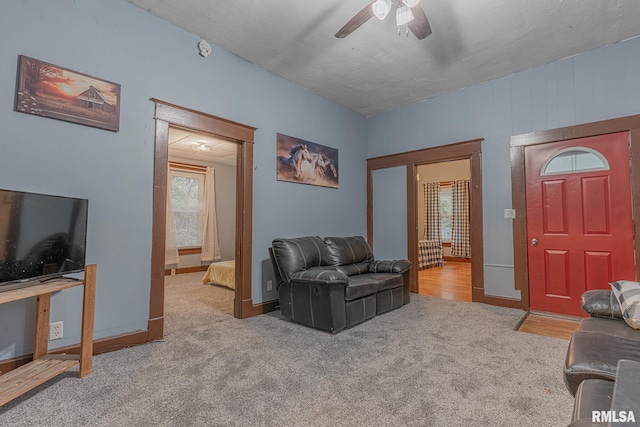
(602, 344)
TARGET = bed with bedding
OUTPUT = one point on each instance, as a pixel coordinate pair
(221, 273)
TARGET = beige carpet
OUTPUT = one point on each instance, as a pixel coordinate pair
(182, 289)
(430, 363)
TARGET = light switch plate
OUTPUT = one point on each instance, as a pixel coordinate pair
(510, 213)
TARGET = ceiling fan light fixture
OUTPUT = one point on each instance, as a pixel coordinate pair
(404, 15)
(381, 8)
(411, 3)
(201, 146)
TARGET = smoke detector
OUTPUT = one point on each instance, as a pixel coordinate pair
(204, 49)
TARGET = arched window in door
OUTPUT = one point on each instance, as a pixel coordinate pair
(574, 159)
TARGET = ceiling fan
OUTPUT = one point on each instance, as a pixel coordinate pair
(408, 13)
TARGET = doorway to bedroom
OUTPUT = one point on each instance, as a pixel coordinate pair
(201, 211)
(170, 115)
(443, 218)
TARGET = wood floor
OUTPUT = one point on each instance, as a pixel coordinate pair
(453, 282)
(549, 326)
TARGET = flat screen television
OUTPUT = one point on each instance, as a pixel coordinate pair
(41, 237)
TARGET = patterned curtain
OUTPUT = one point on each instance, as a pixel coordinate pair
(460, 233)
(432, 211)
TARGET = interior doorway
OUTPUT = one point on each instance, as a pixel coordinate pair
(201, 214)
(470, 150)
(167, 114)
(444, 255)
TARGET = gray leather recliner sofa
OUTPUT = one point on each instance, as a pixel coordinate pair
(600, 342)
(334, 283)
(594, 355)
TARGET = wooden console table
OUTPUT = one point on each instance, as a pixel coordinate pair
(46, 365)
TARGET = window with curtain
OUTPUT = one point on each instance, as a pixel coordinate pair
(191, 213)
(446, 213)
(438, 211)
(187, 199)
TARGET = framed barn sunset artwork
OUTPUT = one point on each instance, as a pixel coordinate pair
(306, 162)
(52, 91)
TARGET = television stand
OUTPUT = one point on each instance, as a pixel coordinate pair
(46, 365)
(60, 278)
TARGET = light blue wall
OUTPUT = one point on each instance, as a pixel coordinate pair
(151, 58)
(596, 85)
(390, 213)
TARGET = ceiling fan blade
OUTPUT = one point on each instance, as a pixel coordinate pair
(419, 25)
(354, 23)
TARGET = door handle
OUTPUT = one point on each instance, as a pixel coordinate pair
(534, 242)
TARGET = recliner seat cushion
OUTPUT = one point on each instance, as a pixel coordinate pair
(348, 250)
(614, 327)
(360, 286)
(386, 280)
(300, 253)
(367, 284)
(592, 395)
(596, 355)
(352, 269)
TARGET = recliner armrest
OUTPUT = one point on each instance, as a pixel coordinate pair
(601, 303)
(396, 266)
(320, 276)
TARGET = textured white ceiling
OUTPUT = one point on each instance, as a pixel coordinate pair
(374, 70)
(181, 143)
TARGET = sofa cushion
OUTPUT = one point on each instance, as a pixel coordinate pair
(348, 250)
(352, 269)
(592, 395)
(395, 266)
(596, 355)
(370, 283)
(614, 327)
(320, 275)
(360, 286)
(300, 253)
(385, 280)
(628, 295)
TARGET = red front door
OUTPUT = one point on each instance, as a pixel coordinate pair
(579, 221)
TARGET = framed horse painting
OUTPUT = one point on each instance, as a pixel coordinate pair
(306, 162)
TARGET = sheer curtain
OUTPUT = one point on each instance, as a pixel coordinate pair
(432, 211)
(460, 233)
(210, 244)
(171, 246)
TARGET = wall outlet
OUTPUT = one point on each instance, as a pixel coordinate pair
(55, 330)
(269, 285)
(510, 213)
